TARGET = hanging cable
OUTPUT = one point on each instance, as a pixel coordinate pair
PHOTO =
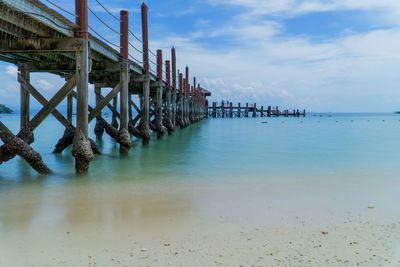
(59, 7)
(135, 60)
(137, 38)
(108, 26)
(109, 42)
(135, 48)
(109, 12)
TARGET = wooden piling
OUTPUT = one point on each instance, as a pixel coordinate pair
(159, 96)
(255, 110)
(145, 120)
(25, 98)
(98, 129)
(181, 102)
(81, 149)
(174, 88)
(123, 137)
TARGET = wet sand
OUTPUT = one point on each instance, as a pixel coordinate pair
(292, 221)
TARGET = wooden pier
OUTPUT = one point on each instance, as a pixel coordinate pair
(229, 111)
(36, 38)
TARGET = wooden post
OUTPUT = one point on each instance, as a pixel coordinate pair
(255, 110)
(130, 114)
(168, 121)
(247, 110)
(230, 110)
(239, 110)
(174, 88)
(98, 129)
(214, 112)
(187, 89)
(269, 111)
(24, 105)
(81, 149)
(159, 118)
(304, 113)
(223, 108)
(262, 111)
(70, 105)
(184, 102)
(181, 104)
(145, 129)
(123, 137)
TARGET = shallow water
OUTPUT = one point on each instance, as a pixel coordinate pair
(341, 144)
(324, 167)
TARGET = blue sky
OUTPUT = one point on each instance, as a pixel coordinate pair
(322, 55)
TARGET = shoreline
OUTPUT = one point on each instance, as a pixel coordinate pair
(204, 223)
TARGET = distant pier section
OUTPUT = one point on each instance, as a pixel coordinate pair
(228, 110)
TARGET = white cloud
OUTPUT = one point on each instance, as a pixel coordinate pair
(45, 85)
(12, 70)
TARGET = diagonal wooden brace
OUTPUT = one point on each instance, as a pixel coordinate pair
(96, 111)
(39, 97)
(53, 103)
(134, 105)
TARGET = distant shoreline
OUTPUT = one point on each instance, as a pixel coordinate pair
(5, 110)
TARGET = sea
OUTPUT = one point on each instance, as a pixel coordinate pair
(316, 145)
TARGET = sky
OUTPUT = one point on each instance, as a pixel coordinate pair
(320, 55)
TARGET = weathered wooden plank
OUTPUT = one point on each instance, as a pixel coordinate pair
(41, 45)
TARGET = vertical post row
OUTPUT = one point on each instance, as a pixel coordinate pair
(81, 148)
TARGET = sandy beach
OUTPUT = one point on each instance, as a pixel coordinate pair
(334, 222)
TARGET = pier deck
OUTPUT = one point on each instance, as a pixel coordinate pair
(36, 38)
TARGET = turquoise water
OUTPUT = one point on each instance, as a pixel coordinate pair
(337, 144)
